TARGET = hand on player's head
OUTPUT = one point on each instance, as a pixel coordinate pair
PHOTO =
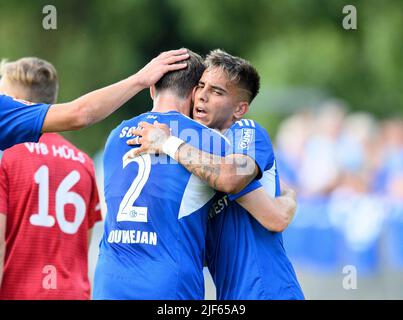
(157, 67)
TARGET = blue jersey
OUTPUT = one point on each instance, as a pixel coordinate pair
(154, 238)
(20, 121)
(246, 260)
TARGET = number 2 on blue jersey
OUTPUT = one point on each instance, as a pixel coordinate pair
(127, 210)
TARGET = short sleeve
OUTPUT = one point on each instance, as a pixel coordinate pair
(248, 138)
(20, 121)
(249, 188)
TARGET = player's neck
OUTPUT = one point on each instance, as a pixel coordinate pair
(224, 128)
(168, 102)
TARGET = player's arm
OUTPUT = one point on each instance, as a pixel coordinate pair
(228, 174)
(3, 220)
(273, 214)
(97, 105)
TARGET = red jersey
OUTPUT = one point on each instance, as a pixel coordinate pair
(49, 195)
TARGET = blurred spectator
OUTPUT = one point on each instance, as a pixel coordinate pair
(348, 171)
(390, 173)
(319, 170)
(291, 138)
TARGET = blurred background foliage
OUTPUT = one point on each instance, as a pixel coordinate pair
(302, 52)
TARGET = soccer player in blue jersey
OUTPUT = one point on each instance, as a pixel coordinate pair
(245, 252)
(22, 121)
(154, 237)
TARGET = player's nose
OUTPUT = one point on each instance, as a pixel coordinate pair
(202, 95)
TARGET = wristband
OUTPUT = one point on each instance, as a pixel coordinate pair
(171, 146)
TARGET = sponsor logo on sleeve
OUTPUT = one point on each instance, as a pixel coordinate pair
(246, 138)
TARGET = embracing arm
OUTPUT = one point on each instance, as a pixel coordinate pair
(229, 174)
(273, 214)
(97, 105)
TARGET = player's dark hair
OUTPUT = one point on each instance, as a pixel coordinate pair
(182, 82)
(238, 70)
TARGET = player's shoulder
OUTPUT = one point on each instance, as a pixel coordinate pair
(122, 132)
(247, 123)
(172, 118)
(123, 129)
(7, 102)
(57, 138)
(7, 99)
(63, 147)
(249, 130)
(3, 98)
(208, 136)
(250, 124)
(129, 122)
(150, 117)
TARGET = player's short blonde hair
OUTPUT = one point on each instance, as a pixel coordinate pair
(35, 78)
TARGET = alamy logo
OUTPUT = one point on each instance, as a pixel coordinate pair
(49, 21)
(350, 20)
(49, 281)
(350, 278)
(246, 138)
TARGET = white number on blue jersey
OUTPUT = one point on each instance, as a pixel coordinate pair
(127, 210)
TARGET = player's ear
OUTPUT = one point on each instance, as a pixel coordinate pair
(152, 92)
(241, 109)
